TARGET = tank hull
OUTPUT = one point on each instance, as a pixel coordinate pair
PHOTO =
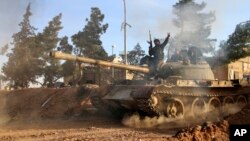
(172, 101)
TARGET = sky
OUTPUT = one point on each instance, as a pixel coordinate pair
(142, 15)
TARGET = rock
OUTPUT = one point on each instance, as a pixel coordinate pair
(207, 123)
(197, 128)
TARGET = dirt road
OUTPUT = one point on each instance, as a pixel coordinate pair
(84, 128)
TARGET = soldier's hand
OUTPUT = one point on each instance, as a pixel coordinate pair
(168, 34)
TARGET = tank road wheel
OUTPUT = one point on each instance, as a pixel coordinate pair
(214, 104)
(175, 108)
(227, 105)
(198, 107)
(241, 101)
(154, 101)
(228, 100)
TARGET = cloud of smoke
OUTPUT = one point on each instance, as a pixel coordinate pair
(11, 14)
(160, 22)
(145, 18)
(195, 28)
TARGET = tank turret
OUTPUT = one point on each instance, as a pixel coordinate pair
(198, 71)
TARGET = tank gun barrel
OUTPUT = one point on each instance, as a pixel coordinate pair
(65, 56)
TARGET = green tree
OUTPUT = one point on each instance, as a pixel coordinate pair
(4, 49)
(88, 41)
(68, 67)
(195, 26)
(23, 64)
(64, 45)
(135, 55)
(48, 41)
(238, 44)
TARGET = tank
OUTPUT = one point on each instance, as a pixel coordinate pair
(173, 88)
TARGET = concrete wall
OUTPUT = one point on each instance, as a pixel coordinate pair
(237, 69)
(234, 70)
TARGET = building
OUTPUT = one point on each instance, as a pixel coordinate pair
(239, 69)
(3, 85)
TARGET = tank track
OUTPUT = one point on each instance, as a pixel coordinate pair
(98, 103)
(144, 102)
(146, 106)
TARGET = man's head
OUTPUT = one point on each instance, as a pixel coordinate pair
(157, 42)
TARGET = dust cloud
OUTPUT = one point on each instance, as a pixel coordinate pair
(137, 121)
(163, 122)
(230, 109)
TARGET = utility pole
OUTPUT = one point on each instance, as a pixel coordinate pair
(125, 34)
(125, 24)
(113, 50)
(113, 72)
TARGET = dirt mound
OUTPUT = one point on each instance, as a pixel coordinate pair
(215, 131)
(208, 131)
(45, 102)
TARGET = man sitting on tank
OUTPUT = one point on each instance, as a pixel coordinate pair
(156, 55)
(158, 50)
(194, 54)
(176, 56)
